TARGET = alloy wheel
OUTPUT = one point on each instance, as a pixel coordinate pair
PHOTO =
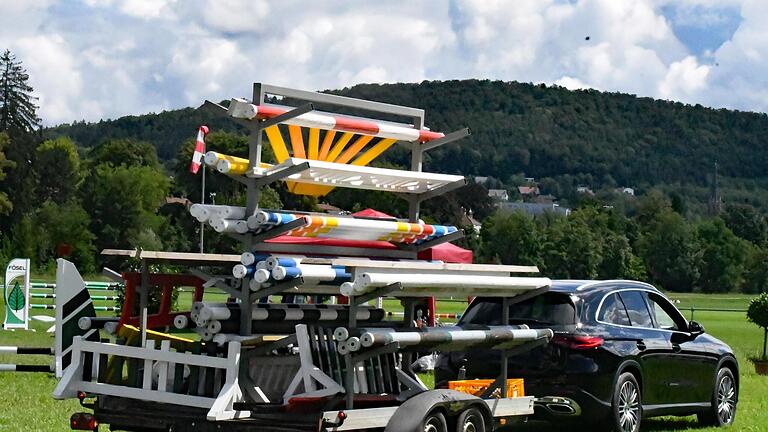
(629, 407)
(726, 400)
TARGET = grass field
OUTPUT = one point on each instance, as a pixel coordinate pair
(26, 403)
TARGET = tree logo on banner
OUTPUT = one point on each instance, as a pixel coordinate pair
(16, 298)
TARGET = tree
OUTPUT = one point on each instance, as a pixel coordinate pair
(572, 250)
(127, 152)
(123, 203)
(63, 230)
(722, 257)
(18, 111)
(5, 203)
(756, 271)
(57, 165)
(619, 260)
(746, 222)
(670, 251)
(511, 238)
(20, 184)
(650, 206)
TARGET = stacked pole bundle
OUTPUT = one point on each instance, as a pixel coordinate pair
(312, 274)
(439, 338)
(226, 164)
(211, 319)
(229, 164)
(225, 218)
(351, 228)
(205, 212)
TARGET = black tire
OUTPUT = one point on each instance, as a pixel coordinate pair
(626, 405)
(724, 399)
(434, 422)
(470, 420)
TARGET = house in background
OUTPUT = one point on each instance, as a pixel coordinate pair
(499, 195)
(626, 190)
(467, 219)
(584, 190)
(528, 192)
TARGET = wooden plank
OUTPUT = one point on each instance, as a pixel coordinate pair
(314, 143)
(329, 173)
(430, 266)
(180, 257)
(297, 141)
(339, 146)
(275, 139)
(374, 152)
(326, 147)
(354, 149)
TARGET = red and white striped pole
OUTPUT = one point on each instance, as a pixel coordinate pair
(197, 160)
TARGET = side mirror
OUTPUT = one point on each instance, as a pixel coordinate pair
(695, 329)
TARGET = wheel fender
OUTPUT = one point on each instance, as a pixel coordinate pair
(629, 364)
(409, 415)
(721, 363)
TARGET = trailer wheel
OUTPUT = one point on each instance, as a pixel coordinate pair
(470, 420)
(435, 422)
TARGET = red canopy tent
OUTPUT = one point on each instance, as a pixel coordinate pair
(445, 252)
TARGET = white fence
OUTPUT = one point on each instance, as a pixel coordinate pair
(157, 376)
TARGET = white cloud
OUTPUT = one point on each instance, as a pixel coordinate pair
(105, 58)
(59, 83)
(684, 79)
(145, 8)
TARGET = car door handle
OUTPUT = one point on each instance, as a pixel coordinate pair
(641, 346)
(676, 348)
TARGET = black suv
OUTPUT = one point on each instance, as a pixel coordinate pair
(621, 351)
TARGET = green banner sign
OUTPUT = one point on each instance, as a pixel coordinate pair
(16, 294)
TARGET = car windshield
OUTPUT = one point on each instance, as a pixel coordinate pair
(546, 309)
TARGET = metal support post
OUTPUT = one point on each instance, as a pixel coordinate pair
(352, 320)
(202, 201)
(349, 381)
(246, 307)
(143, 294)
(504, 353)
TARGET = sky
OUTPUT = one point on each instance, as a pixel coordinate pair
(99, 59)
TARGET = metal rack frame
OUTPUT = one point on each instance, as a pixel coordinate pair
(255, 242)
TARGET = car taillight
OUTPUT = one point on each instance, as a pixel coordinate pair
(83, 421)
(578, 342)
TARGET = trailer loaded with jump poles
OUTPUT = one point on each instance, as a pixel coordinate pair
(260, 365)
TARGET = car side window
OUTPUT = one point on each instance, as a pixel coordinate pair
(664, 313)
(613, 311)
(637, 308)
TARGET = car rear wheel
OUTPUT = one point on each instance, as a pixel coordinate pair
(471, 420)
(435, 422)
(723, 409)
(626, 407)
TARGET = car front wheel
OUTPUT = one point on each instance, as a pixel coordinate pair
(723, 409)
(626, 405)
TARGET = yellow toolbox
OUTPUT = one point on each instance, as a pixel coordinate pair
(515, 387)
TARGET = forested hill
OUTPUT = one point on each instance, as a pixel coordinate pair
(575, 137)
